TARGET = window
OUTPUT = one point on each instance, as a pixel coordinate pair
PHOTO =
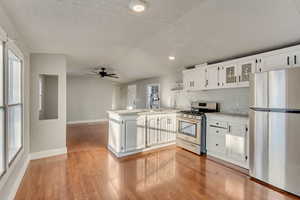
(2, 138)
(14, 105)
(11, 103)
(153, 99)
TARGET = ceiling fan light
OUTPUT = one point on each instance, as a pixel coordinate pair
(137, 5)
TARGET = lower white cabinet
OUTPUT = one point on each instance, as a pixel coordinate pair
(129, 134)
(227, 138)
(161, 129)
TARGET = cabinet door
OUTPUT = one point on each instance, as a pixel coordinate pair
(296, 59)
(133, 140)
(152, 131)
(187, 79)
(278, 61)
(216, 141)
(194, 79)
(200, 79)
(228, 76)
(212, 77)
(141, 132)
(244, 71)
(236, 143)
(163, 129)
(172, 128)
(115, 135)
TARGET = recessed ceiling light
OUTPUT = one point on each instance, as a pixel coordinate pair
(137, 5)
(171, 57)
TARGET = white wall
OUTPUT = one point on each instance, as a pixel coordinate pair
(48, 134)
(9, 182)
(231, 100)
(88, 99)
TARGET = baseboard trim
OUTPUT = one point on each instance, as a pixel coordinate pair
(17, 183)
(87, 121)
(48, 153)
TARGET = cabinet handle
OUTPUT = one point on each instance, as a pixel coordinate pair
(229, 128)
(217, 144)
(288, 60)
(239, 78)
(206, 83)
(259, 69)
(295, 59)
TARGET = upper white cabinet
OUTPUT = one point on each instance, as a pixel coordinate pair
(296, 59)
(277, 61)
(212, 77)
(194, 79)
(228, 75)
(236, 73)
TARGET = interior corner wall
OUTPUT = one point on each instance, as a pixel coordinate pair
(88, 99)
(10, 181)
(48, 134)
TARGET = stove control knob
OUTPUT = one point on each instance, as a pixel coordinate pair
(198, 117)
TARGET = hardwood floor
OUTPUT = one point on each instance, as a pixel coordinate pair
(90, 172)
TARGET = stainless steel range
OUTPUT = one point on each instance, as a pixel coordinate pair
(191, 126)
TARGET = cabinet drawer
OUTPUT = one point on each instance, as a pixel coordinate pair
(216, 143)
(217, 131)
(219, 124)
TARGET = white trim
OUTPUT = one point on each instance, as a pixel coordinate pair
(87, 121)
(48, 153)
(18, 180)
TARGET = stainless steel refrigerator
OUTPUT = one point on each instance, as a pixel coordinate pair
(275, 128)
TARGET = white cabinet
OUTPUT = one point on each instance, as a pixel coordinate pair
(244, 69)
(194, 79)
(237, 74)
(228, 75)
(296, 59)
(227, 139)
(212, 77)
(152, 130)
(277, 61)
(133, 139)
(161, 129)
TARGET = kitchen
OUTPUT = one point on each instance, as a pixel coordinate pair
(253, 139)
(148, 99)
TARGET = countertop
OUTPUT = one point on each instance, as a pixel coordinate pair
(143, 111)
(229, 114)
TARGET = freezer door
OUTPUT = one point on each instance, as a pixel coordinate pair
(284, 151)
(259, 145)
(284, 89)
(259, 90)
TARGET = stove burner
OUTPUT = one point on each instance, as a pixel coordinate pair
(192, 112)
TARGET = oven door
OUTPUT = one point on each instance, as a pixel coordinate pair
(189, 130)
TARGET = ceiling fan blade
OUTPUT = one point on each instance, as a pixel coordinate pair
(112, 76)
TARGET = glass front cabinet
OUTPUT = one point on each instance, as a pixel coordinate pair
(236, 75)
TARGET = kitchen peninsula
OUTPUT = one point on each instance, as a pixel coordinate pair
(134, 131)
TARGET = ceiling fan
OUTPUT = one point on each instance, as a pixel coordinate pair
(103, 73)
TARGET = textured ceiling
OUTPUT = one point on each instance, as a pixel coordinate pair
(95, 32)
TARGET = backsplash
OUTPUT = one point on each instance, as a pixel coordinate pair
(231, 100)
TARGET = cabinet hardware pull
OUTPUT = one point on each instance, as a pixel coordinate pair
(288, 60)
(239, 78)
(217, 144)
(259, 69)
(256, 61)
(229, 128)
(295, 59)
